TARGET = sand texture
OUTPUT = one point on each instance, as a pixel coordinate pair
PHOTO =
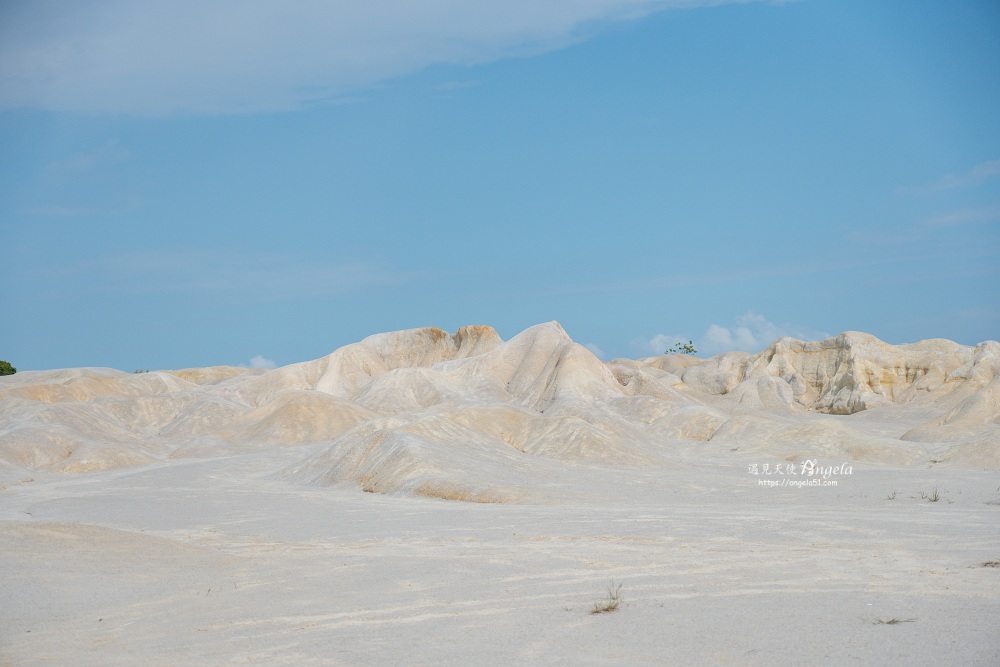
(422, 497)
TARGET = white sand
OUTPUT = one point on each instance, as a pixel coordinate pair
(164, 519)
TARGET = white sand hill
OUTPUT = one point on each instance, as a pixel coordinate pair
(125, 495)
(467, 416)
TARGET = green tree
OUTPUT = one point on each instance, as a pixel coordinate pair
(682, 348)
(6, 368)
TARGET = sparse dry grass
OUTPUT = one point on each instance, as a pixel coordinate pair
(892, 621)
(933, 496)
(611, 602)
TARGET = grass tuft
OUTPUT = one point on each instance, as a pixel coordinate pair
(933, 496)
(611, 602)
(892, 621)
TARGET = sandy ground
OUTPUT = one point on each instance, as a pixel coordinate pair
(227, 561)
(425, 498)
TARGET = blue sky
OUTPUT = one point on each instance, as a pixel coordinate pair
(197, 183)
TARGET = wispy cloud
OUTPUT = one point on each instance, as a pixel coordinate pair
(110, 206)
(260, 361)
(457, 85)
(926, 228)
(110, 154)
(595, 349)
(223, 56)
(979, 174)
(751, 332)
(84, 183)
(688, 280)
(657, 343)
(248, 276)
(964, 216)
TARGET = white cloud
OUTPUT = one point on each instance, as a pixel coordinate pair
(260, 361)
(975, 176)
(751, 333)
(595, 350)
(964, 217)
(658, 344)
(242, 56)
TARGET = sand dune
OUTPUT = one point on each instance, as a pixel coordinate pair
(427, 412)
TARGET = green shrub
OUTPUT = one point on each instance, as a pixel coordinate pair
(6, 368)
(682, 348)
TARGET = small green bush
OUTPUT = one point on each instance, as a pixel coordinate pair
(682, 348)
(6, 368)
